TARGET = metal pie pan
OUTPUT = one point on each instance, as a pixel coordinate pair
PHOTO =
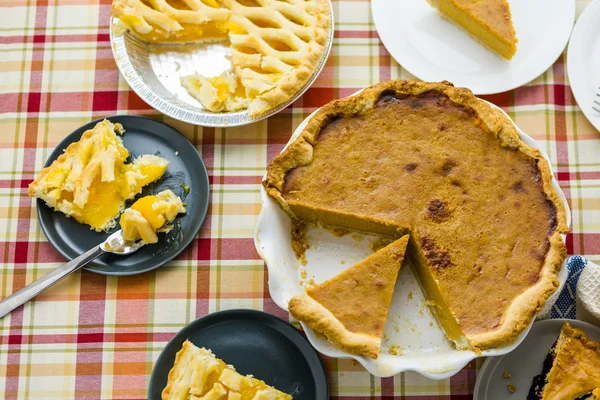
(153, 71)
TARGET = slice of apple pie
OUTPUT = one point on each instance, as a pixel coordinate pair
(198, 374)
(91, 181)
(276, 45)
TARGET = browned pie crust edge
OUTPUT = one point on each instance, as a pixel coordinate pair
(524, 308)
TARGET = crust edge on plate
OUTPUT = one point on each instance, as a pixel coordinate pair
(323, 321)
(300, 152)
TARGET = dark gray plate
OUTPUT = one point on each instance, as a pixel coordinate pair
(255, 343)
(142, 136)
(524, 362)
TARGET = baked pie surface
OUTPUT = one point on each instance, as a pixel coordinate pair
(276, 45)
(350, 309)
(436, 162)
(198, 374)
(91, 180)
(487, 21)
(571, 369)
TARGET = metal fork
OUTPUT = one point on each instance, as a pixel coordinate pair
(596, 105)
(113, 244)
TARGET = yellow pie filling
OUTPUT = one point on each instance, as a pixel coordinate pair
(149, 215)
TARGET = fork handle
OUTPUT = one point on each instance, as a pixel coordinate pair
(33, 289)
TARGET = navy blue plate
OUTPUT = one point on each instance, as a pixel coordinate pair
(142, 136)
(255, 343)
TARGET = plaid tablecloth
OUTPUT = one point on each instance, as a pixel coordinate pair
(93, 336)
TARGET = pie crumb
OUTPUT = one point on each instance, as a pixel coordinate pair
(410, 295)
(507, 375)
(395, 350)
(343, 262)
(511, 388)
(356, 237)
(431, 324)
(303, 274)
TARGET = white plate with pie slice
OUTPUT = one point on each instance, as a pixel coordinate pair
(583, 62)
(412, 340)
(433, 49)
(524, 363)
(154, 72)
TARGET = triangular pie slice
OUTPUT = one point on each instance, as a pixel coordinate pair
(487, 21)
(198, 375)
(350, 309)
(92, 179)
(571, 368)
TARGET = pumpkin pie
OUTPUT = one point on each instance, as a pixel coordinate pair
(276, 46)
(487, 21)
(91, 180)
(149, 215)
(571, 368)
(339, 309)
(197, 374)
(435, 162)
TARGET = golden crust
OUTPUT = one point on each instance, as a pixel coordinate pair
(308, 310)
(300, 76)
(576, 368)
(300, 152)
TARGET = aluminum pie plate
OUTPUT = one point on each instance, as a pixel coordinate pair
(411, 331)
(153, 72)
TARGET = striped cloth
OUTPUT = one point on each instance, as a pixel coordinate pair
(93, 336)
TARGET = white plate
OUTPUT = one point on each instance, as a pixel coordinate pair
(583, 61)
(434, 49)
(524, 362)
(410, 324)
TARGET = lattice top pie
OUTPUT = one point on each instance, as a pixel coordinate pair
(91, 180)
(198, 374)
(276, 45)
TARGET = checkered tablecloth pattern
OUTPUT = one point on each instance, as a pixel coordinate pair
(93, 336)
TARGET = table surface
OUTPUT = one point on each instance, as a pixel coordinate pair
(94, 336)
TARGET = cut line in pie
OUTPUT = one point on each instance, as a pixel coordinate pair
(433, 161)
(276, 45)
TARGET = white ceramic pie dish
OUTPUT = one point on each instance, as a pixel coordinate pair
(423, 346)
(153, 72)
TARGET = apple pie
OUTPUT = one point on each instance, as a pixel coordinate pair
(198, 374)
(149, 215)
(276, 45)
(91, 180)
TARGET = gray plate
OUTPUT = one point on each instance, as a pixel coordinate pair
(255, 343)
(142, 136)
(524, 362)
(153, 72)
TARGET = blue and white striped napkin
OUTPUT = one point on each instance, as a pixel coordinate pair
(580, 296)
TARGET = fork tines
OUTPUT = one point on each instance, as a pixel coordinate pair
(596, 105)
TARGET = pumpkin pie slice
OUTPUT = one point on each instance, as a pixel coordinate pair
(571, 368)
(487, 21)
(350, 309)
(435, 161)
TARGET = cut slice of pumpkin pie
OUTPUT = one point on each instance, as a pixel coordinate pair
(350, 309)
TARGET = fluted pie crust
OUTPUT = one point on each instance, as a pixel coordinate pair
(438, 163)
